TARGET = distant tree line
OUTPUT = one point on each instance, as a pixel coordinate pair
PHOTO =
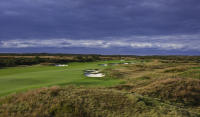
(13, 61)
(45, 54)
(10, 60)
(175, 59)
(80, 58)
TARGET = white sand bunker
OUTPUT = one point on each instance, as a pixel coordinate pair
(93, 73)
(61, 65)
(126, 63)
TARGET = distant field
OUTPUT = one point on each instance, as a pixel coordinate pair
(17, 79)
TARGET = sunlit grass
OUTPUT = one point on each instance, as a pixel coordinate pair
(17, 79)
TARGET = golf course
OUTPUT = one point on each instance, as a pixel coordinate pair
(23, 78)
(152, 86)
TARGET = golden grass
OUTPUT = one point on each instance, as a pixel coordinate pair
(84, 102)
(186, 91)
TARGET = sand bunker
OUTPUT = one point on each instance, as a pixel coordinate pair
(61, 65)
(126, 63)
(93, 73)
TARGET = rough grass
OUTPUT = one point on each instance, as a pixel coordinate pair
(186, 91)
(176, 83)
(175, 70)
(84, 102)
(193, 73)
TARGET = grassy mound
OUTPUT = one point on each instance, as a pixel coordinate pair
(83, 102)
(175, 70)
(194, 73)
(186, 91)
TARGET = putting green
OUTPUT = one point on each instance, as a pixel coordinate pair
(19, 79)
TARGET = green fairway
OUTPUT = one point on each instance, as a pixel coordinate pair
(23, 78)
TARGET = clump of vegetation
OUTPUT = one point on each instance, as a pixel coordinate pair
(113, 73)
(194, 73)
(186, 91)
(83, 102)
(174, 70)
(144, 78)
(126, 87)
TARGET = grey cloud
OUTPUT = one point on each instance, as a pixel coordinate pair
(98, 18)
(158, 24)
(179, 42)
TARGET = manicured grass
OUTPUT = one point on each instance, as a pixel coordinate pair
(18, 79)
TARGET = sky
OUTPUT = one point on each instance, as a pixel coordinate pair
(133, 27)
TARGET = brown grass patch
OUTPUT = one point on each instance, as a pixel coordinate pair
(83, 102)
(186, 91)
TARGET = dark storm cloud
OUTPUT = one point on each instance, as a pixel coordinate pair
(97, 18)
(146, 23)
